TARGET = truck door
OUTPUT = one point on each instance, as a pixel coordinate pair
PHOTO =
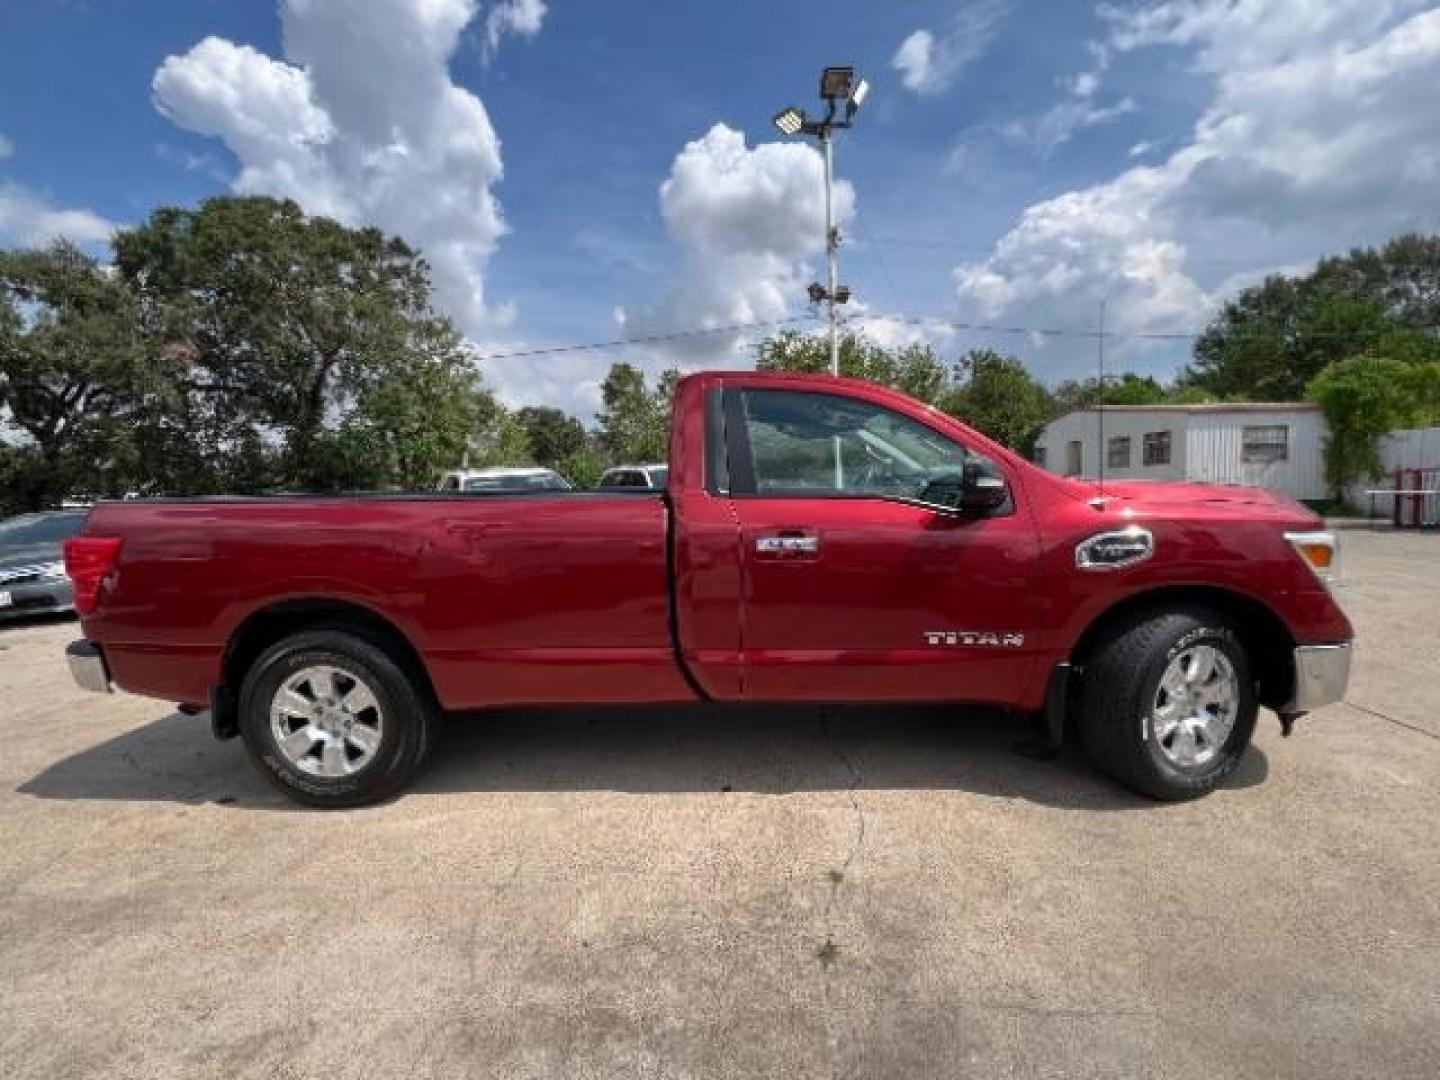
(852, 588)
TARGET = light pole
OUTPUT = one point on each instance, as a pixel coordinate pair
(837, 85)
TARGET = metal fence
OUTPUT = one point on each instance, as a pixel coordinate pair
(1416, 502)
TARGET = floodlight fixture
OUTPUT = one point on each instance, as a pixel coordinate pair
(837, 83)
(816, 291)
(790, 121)
(842, 294)
(857, 98)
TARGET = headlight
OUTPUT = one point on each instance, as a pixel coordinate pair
(52, 569)
(1320, 551)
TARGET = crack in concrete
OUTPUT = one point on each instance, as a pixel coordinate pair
(1391, 719)
(828, 952)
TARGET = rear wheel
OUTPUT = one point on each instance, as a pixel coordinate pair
(332, 720)
(1168, 703)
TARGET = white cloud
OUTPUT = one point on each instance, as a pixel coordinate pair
(30, 220)
(362, 122)
(521, 17)
(928, 62)
(1312, 142)
(1231, 35)
(1060, 123)
(7, 148)
(745, 219)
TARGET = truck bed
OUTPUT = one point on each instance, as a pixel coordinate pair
(509, 598)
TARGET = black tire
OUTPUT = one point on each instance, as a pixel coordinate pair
(410, 718)
(1119, 688)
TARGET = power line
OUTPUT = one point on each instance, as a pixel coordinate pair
(1080, 333)
(645, 339)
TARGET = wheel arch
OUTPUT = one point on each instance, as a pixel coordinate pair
(265, 626)
(1267, 640)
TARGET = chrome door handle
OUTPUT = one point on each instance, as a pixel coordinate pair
(788, 545)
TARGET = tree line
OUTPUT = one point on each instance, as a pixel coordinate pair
(243, 346)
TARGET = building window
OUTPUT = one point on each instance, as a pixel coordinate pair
(1156, 448)
(1117, 452)
(1074, 458)
(1262, 444)
(1040, 456)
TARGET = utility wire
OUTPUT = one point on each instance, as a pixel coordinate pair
(646, 339)
(1082, 333)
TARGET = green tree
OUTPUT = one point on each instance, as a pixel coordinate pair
(498, 437)
(75, 378)
(1396, 385)
(1124, 389)
(912, 369)
(1274, 338)
(307, 348)
(1000, 398)
(553, 435)
(635, 420)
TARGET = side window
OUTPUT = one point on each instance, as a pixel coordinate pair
(1074, 458)
(1265, 443)
(814, 443)
(451, 483)
(1117, 455)
(1157, 448)
(1039, 456)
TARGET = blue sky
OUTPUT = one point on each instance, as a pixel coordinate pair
(584, 172)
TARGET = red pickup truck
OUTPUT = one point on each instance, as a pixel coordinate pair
(821, 540)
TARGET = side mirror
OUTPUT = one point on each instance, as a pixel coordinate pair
(983, 487)
(978, 488)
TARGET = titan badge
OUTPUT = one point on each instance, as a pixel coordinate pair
(984, 638)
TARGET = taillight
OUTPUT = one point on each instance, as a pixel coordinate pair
(88, 560)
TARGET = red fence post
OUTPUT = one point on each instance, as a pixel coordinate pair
(1417, 501)
(1395, 502)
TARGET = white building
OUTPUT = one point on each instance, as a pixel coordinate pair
(1278, 446)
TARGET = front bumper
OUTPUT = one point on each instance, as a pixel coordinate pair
(1322, 672)
(87, 666)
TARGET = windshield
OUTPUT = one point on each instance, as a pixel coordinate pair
(40, 529)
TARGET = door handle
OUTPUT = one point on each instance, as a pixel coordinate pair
(788, 544)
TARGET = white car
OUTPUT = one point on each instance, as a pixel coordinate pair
(654, 477)
(497, 480)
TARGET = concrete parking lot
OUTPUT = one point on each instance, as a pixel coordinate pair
(707, 892)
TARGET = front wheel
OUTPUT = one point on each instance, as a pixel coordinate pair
(1168, 703)
(332, 721)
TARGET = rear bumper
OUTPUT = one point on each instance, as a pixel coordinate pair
(87, 666)
(1322, 672)
(48, 597)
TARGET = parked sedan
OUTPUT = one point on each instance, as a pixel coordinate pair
(32, 567)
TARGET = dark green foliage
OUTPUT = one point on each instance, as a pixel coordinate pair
(998, 397)
(77, 382)
(635, 420)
